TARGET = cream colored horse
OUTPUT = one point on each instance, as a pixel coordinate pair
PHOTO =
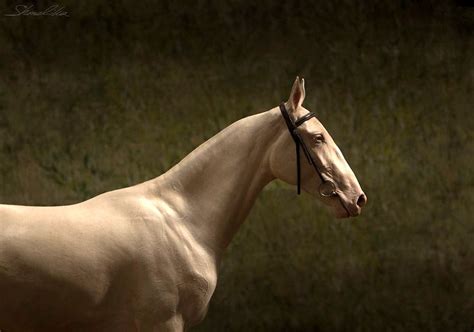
(146, 258)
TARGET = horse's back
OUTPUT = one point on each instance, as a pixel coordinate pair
(61, 262)
(117, 255)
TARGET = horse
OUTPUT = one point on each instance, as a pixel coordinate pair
(146, 257)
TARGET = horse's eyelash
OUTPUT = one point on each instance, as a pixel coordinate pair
(319, 137)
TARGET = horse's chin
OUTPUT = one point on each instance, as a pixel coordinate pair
(335, 207)
(341, 213)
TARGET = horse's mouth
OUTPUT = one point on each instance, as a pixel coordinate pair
(346, 211)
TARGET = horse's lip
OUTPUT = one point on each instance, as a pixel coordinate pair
(350, 212)
(344, 205)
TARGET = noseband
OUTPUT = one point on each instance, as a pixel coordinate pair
(327, 188)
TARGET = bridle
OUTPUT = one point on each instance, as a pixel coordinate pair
(327, 188)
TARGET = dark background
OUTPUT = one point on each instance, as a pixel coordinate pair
(120, 91)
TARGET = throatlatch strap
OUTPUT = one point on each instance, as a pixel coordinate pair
(298, 169)
(292, 129)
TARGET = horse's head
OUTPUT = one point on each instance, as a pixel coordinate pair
(324, 171)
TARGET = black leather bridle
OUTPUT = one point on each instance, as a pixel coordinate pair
(327, 188)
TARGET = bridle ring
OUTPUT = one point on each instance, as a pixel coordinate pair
(327, 189)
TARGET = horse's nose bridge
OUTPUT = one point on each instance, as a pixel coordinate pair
(348, 180)
(349, 185)
(342, 174)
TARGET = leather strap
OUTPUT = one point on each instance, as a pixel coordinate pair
(298, 142)
(292, 129)
(304, 118)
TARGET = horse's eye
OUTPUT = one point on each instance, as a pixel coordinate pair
(318, 138)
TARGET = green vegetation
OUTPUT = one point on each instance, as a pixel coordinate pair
(120, 91)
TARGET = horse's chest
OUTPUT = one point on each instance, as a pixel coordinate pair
(189, 276)
(194, 293)
(195, 287)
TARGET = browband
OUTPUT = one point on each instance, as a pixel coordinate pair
(304, 118)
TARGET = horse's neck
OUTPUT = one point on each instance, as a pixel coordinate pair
(213, 189)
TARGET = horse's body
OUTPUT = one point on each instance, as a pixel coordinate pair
(143, 258)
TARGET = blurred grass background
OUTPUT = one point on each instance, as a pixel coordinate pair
(120, 91)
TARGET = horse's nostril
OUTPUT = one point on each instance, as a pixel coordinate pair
(362, 200)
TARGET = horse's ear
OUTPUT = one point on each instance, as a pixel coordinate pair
(297, 94)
